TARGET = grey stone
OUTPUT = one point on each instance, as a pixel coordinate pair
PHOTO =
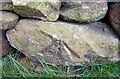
(7, 20)
(4, 44)
(114, 16)
(64, 43)
(41, 10)
(6, 5)
(84, 11)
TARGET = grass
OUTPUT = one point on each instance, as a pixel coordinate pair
(12, 68)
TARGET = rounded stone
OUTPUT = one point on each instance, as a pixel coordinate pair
(114, 16)
(83, 11)
(8, 20)
(6, 5)
(40, 10)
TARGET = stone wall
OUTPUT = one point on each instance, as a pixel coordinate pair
(61, 32)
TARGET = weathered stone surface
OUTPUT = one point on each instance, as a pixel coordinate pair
(27, 38)
(6, 5)
(28, 64)
(83, 11)
(4, 44)
(7, 20)
(73, 43)
(114, 16)
(41, 10)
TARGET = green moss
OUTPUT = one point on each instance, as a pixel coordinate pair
(113, 48)
(6, 7)
(38, 5)
(26, 11)
(37, 9)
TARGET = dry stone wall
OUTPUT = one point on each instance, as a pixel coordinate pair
(61, 33)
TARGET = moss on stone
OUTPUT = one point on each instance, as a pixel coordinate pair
(6, 7)
(37, 10)
(113, 49)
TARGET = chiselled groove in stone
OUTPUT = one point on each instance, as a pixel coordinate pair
(57, 48)
(48, 35)
(75, 54)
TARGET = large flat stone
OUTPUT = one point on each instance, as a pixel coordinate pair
(75, 43)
